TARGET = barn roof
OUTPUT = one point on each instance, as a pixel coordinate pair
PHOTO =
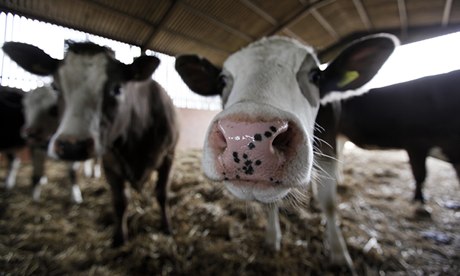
(216, 28)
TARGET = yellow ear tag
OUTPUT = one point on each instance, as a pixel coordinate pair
(347, 78)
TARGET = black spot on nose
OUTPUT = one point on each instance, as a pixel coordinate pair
(273, 129)
(251, 146)
(258, 137)
(268, 134)
(258, 162)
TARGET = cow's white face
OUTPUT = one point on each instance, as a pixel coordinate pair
(261, 144)
(81, 81)
(41, 114)
(262, 84)
(91, 84)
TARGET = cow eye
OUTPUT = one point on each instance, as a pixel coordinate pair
(53, 111)
(222, 82)
(116, 91)
(314, 76)
(54, 87)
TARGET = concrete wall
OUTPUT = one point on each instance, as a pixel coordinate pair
(194, 124)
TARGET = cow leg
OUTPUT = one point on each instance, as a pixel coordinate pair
(273, 232)
(88, 168)
(75, 192)
(417, 158)
(161, 191)
(92, 168)
(119, 199)
(97, 168)
(38, 178)
(324, 188)
(13, 167)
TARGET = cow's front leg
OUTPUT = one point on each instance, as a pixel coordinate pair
(119, 200)
(75, 192)
(161, 189)
(273, 232)
(325, 191)
(38, 169)
(13, 166)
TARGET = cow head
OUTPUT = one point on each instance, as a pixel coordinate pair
(260, 145)
(41, 114)
(91, 84)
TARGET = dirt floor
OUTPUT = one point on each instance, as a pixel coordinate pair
(218, 235)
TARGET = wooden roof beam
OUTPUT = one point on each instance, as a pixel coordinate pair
(217, 22)
(323, 22)
(156, 28)
(297, 16)
(403, 17)
(363, 14)
(446, 13)
(267, 17)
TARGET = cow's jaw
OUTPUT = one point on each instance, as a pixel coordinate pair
(81, 82)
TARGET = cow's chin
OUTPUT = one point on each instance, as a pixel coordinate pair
(256, 191)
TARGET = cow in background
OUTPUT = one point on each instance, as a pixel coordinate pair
(111, 110)
(11, 122)
(41, 121)
(27, 121)
(261, 145)
(419, 116)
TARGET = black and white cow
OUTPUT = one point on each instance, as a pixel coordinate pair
(27, 120)
(419, 116)
(261, 144)
(11, 122)
(111, 110)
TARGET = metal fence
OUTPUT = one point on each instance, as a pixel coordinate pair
(51, 39)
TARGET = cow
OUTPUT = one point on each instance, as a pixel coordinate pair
(11, 122)
(25, 123)
(41, 121)
(261, 144)
(110, 110)
(418, 116)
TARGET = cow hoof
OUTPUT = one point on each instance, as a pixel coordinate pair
(422, 211)
(76, 196)
(166, 230)
(343, 261)
(117, 242)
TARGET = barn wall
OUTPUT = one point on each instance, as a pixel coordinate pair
(194, 124)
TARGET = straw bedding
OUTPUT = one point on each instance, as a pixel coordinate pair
(214, 234)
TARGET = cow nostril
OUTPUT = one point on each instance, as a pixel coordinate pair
(282, 142)
(218, 140)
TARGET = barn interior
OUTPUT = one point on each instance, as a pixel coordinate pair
(214, 233)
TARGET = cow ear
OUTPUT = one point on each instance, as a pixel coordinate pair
(141, 68)
(31, 58)
(357, 64)
(200, 75)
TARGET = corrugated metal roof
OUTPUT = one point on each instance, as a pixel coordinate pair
(217, 28)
